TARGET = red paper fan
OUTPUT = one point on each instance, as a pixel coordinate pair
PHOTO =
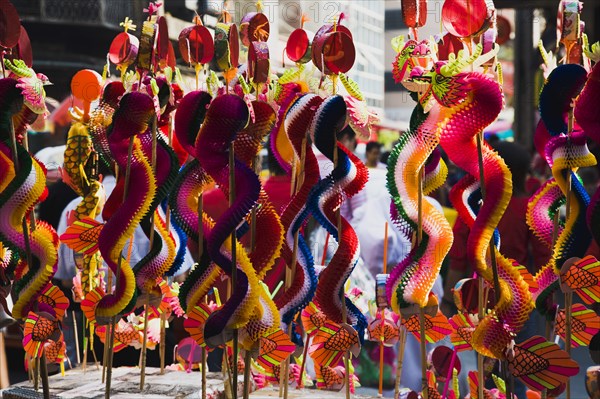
(258, 62)
(414, 13)
(196, 45)
(298, 47)
(162, 43)
(464, 18)
(23, 49)
(441, 359)
(254, 27)
(10, 25)
(123, 49)
(333, 49)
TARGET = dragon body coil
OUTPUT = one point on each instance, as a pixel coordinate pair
(131, 119)
(304, 283)
(411, 281)
(470, 102)
(346, 179)
(23, 184)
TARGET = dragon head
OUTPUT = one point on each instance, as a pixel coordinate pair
(448, 84)
(410, 55)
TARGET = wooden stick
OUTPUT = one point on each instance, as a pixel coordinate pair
(44, 375)
(200, 253)
(381, 347)
(234, 264)
(400, 359)
(568, 318)
(247, 361)
(113, 320)
(424, 392)
(304, 355)
(151, 238)
(481, 315)
(36, 374)
(76, 337)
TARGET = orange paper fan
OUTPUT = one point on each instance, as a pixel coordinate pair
(274, 349)
(331, 341)
(436, 327)
(541, 364)
(54, 297)
(194, 324)
(38, 329)
(462, 333)
(312, 318)
(583, 277)
(585, 323)
(82, 235)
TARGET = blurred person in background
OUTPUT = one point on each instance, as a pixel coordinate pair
(372, 156)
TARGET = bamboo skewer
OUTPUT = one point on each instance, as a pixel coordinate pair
(15, 157)
(424, 392)
(234, 266)
(200, 253)
(381, 348)
(152, 224)
(114, 319)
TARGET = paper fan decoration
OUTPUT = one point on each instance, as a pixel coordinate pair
(541, 364)
(436, 327)
(583, 277)
(125, 335)
(432, 391)
(462, 334)
(383, 330)
(38, 329)
(55, 298)
(82, 236)
(194, 324)
(274, 349)
(88, 304)
(585, 323)
(312, 319)
(55, 350)
(331, 341)
(473, 378)
(330, 378)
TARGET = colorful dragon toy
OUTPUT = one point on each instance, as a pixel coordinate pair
(303, 286)
(24, 184)
(130, 120)
(564, 151)
(226, 116)
(471, 101)
(411, 281)
(346, 179)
